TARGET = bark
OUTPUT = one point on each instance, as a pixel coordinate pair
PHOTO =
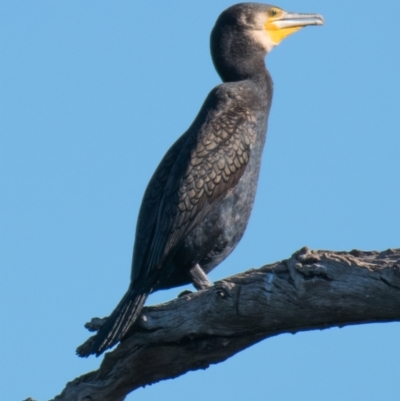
(311, 290)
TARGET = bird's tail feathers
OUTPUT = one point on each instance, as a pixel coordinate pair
(118, 323)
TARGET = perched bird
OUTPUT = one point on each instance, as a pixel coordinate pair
(198, 202)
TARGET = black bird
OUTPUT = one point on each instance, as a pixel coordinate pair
(198, 202)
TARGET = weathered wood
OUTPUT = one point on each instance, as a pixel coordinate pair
(311, 290)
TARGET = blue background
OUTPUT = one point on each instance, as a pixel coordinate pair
(92, 95)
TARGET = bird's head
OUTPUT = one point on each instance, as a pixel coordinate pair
(249, 30)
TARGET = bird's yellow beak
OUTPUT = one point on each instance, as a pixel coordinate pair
(281, 24)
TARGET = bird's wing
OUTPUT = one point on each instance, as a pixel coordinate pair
(207, 169)
(147, 218)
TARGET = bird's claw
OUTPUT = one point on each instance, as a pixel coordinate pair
(223, 289)
(183, 293)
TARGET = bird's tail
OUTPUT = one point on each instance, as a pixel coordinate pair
(116, 325)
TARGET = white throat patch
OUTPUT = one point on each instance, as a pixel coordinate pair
(262, 37)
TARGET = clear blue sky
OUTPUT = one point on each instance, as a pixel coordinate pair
(92, 94)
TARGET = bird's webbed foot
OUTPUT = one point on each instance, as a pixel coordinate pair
(185, 292)
(223, 289)
(199, 278)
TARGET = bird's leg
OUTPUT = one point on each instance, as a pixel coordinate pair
(199, 278)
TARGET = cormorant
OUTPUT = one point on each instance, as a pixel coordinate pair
(198, 202)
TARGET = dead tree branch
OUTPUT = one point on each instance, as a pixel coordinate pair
(311, 290)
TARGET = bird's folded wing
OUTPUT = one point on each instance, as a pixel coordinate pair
(206, 171)
(148, 213)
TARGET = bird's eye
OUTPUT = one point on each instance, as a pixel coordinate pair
(273, 12)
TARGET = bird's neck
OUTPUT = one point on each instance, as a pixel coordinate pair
(245, 68)
(233, 67)
(238, 61)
